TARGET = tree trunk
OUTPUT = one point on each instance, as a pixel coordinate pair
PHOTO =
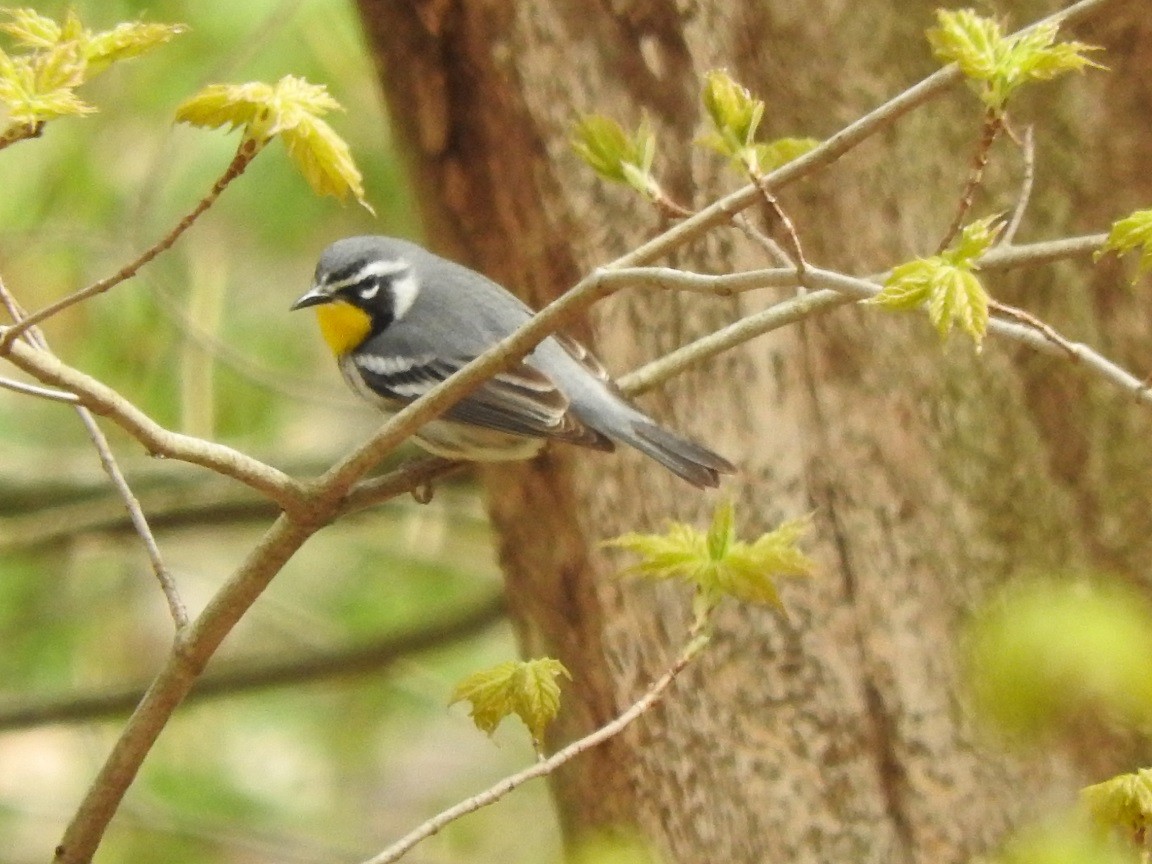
(835, 733)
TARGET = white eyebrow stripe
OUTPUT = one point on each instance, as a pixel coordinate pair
(404, 291)
(385, 267)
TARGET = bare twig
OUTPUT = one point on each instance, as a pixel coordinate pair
(993, 125)
(101, 399)
(168, 586)
(797, 256)
(1028, 155)
(235, 168)
(39, 392)
(21, 132)
(372, 656)
(546, 766)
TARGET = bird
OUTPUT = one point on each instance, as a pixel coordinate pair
(400, 319)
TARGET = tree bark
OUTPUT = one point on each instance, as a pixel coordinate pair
(836, 732)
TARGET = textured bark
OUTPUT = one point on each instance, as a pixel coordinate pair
(836, 733)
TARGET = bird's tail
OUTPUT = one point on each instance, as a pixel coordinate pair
(696, 464)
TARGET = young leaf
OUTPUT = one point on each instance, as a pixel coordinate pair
(125, 41)
(30, 29)
(718, 564)
(290, 108)
(998, 64)
(780, 152)
(946, 282)
(1128, 233)
(735, 115)
(617, 156)
(39, 87)
(1124, 802)
(526, 688)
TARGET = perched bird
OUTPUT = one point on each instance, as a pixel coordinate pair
(401, 320)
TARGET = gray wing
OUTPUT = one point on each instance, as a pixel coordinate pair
(521, 400)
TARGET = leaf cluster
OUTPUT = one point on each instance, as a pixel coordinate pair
(716, 563)
(622, 157)
(1123, 802)
(38, 81)
(946, 283)
(526, 688)
(290, 109)
(617, 155)
(1131, 232)
(999, 64)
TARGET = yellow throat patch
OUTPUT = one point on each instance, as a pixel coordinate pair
(343, 326)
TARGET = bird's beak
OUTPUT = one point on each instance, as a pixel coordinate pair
(315, 296)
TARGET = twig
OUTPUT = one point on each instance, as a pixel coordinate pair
(1028, 154)
(1003, 257)
(1035, 323)
(993, 124)
(21, 133)
(168, 586)
(235, 168)
(542, 768)
(103, 400)
(771, 248)
(789, 229)
(787, 312)
(372, 656)
(40, 392)
(192, 649)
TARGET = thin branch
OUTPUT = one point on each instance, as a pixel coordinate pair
(1003, 257)
(369, 657)
(235, 168)
(545, 767)
(797, 256)
(1028, 155)
(39, 392)
(782, 314)
(103, 400)
(992, 126)
(35, 336)
(21, 132)
(193, 647)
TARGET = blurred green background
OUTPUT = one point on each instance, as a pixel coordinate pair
(202, 340)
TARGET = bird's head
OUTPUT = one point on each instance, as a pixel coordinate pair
(361, 285)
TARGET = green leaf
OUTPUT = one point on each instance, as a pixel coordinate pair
(718, 564)
(946, 283)
(30, 29)
(218, 105)
(39, 87)
(722, 532)
(780, 152)
(735, 113)
(1134, 230)
(324, 159)
(1124, 802)
(998, 64)
(1050, 652)
(290, 108)
(526, 688)
(126, 41)
(615, 155)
